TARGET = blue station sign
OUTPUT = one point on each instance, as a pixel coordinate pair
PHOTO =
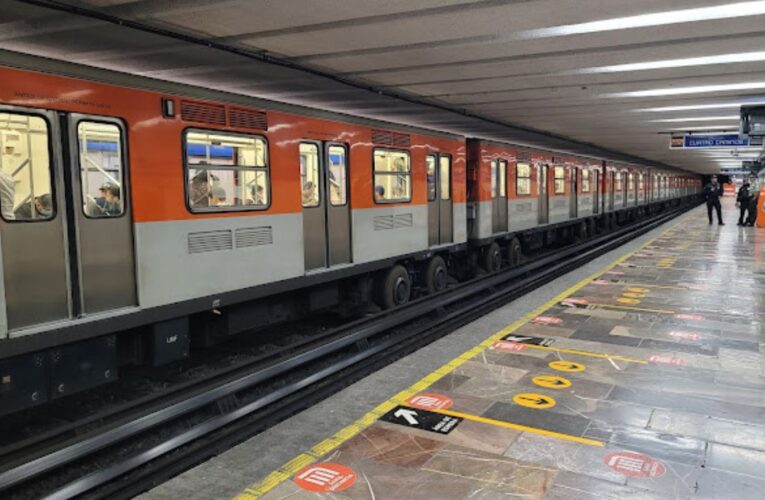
(697, 141)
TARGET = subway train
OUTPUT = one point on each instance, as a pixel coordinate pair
(141, 218)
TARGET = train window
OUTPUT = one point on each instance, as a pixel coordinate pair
(493, 178)
(309, 174)
(618, 181)
(502, 178)
(641, 183)
(585, 181)
(522, 179)
(338, 176)
(430, 164)
(26, 188)
(445, 176)
(226, 171)
(101, 169)
(560, 180)
(630, 182)
(393, 176)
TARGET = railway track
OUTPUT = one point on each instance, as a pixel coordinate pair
(145, 443)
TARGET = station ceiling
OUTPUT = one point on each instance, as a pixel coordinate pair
(598, 77)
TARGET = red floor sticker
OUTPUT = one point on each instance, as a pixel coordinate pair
(634, 464)
(618, 273)
(575, 300)
(667, 360)
(547, 320)
(324, 478)
(680, 334)
(429, 401)
(503, 345)
(600, 282)
(690, 317)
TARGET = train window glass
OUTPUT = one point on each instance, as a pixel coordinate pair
(585, 181)
(393, 176)
(445, 176)
(226, 171)
(101, 166)
(502, 179)
(430, 165)
(309, 174)
(338, 176)
(560, 180)
(641, 183)
(630, 182)
(618, 181)
(493, 178)
(26, 189)
(523, 179)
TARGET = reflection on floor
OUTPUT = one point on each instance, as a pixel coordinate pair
(647, 382)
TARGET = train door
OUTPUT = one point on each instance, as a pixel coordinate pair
(33, 237)
(439, 176)
(102, 214)
(611, 189)
(596, 191)
(326, 212)
(499, 195)
(542, 194)
(574, 199)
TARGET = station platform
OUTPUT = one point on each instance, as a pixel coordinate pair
(640, 376)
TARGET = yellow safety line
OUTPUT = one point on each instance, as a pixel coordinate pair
(632, 308)
(522, 428)
(320, 449)
(586, 353)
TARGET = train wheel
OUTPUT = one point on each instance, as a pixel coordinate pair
(436, 275)
(395, 288)
(514, 252)
(492, 258)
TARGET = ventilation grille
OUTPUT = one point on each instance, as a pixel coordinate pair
(254, 236)
(384, 222)
(203, 113)
(560, 204)
(387, 138)
(210, 241)
(523, 208)
(247, 119)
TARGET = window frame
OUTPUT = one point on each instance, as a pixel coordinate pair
(582, 171)
(409, 173)
(124, 149)
(435, 174)
(517, 178)
(319, 152)
(347, 193)
(556, 179)
(51, 169)
(440, 194)
(215, 210)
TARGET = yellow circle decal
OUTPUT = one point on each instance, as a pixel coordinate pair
(637, 289)
(551, 382)
(533, 400)
(566, 366)
(627, 300)
(634, 295)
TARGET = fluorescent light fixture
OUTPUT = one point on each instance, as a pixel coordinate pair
(701, 89)
(726, 11)
(696, 119)
(692, 107)
(676, 63)
(712, 127)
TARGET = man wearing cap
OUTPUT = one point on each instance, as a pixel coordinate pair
(108, 204)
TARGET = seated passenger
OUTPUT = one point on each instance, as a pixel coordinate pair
(379, 193)
(310, 196)
(44, 206)
(199, 188)
(258, 196)
(106, 205)
(217, 197)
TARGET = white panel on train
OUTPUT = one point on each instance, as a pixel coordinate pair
(459, 213)
(389, 231)
(523, 213)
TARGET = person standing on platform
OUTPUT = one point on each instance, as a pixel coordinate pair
(712, 192)
(742, 202)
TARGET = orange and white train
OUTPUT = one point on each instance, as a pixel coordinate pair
(141, 218)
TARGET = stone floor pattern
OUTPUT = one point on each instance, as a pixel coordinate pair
(647, 382)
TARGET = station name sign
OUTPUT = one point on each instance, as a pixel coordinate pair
(698, 141)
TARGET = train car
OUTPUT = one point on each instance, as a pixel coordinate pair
(135, 206)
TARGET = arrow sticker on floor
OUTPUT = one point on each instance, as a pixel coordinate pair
(551, 382)
(533, 400)
(421, 419)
